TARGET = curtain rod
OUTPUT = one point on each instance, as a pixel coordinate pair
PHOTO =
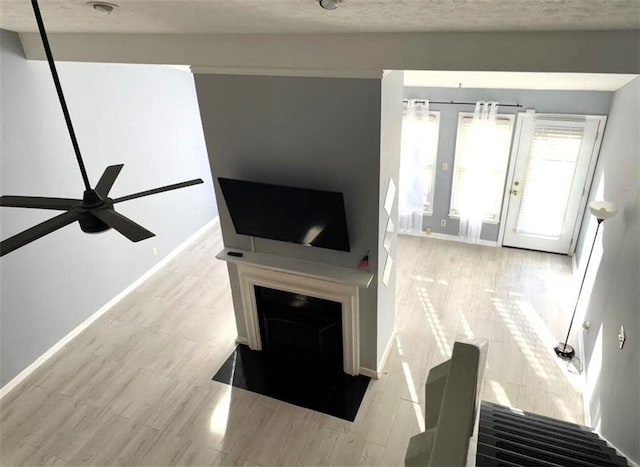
(460, 103)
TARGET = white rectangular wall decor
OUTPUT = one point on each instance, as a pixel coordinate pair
(391, 194)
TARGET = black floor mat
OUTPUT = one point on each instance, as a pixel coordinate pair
(331, 392)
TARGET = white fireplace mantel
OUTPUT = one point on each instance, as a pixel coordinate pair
(300, 267)
(304, 277)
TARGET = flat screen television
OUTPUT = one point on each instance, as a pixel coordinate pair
(297, 215)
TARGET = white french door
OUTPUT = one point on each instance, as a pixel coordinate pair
(554, 159)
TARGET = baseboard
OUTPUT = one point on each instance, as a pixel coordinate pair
(242, 340)
(375, 374)
(452, 238)
(585, 402)
(86, 323)
(369, 372)
(385, 355)
(583, 360)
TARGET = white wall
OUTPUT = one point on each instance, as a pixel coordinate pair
(390, 129)
(143, 116)
(612, 292)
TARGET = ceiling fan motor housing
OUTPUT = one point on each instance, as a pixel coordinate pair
(91, 224)
(91, 200)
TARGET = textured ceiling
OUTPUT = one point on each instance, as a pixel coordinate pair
(305, 16)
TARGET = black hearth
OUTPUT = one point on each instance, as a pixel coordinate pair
(301, 359)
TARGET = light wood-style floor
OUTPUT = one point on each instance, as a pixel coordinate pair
(135, 388)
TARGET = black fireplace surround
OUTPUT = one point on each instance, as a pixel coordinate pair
(300, 331)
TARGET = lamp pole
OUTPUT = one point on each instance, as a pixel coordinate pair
(564, 350)
(601, 210)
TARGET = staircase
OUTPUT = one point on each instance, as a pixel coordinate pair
(508, 437)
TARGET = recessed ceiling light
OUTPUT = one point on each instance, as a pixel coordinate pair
(103, 7)
(329, 4)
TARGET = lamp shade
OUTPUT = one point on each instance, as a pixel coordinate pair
(603, 209)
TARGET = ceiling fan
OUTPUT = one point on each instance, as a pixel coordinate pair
(95, 211)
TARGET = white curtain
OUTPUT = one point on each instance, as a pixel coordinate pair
(474, 197)
(413, 161)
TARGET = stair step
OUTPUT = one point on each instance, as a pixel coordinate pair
(483, 460)
(527, 437)
(521, 413)
(551, 453)
(506, 417)
(521, 425)
(506, 457)
(508, 437)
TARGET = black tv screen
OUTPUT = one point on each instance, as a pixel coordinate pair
(298, 215)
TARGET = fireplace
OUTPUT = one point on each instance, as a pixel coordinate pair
(299, 325)
(300, 331)
(299, 350)
(315, 281)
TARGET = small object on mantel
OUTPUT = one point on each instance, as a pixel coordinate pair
(363, 265)
(237, 254)
(621, 337)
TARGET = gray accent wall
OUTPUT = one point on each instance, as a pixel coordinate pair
(613, 375)
(143, 116)
(360, 54)
(320, 133)
(391, 124)
(577, 102)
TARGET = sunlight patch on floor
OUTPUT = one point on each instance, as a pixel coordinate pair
(536, 324)
(434, 322)
(500, 396)
(466, 327)
(220, 415)
(399, 346)
(529, 350)
(419, 278)
(562, 407)
(548, 341)
(413, 393)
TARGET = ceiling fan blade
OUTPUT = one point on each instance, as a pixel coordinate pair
(37, 231)
(122, 224)
(38, 202)
(195, 181)
(108, 178)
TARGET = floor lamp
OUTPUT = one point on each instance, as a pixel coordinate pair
(601, 210)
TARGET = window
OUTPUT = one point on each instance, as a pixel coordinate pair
(418, 156)
(480, 165)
